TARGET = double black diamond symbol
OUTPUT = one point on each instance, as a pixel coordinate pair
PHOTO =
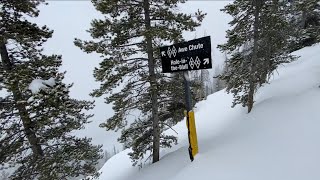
(195, 62)
(172, 52)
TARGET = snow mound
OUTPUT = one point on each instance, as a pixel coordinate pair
(278, 140)
(37, 84)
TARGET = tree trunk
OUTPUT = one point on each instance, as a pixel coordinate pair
(153, 84)
(303, 20)
(20, 104)
(257, 5)
(267, 61)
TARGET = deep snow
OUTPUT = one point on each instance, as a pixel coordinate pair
(278, 140)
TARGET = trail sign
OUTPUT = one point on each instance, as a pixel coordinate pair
(186, 56)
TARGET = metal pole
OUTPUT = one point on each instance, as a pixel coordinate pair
(187, 90)
(188, 106)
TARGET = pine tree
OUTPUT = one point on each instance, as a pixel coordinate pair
(218, 83)
(258, 43)
(36, 125)
(198, 81)
(174, 105)
(204, 81)
(128, 39)
(305, 17)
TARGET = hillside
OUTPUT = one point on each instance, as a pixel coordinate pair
(278, 140)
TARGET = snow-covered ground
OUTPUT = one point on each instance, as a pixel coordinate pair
(278, 140)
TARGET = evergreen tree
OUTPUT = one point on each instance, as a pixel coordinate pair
(204, 81)
(174, 105)
(305, 17)
(128, 39)
(257, 43)
(218, 83)
(36, 124)
(198, 80)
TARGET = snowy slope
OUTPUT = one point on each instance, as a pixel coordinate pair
(279, 140)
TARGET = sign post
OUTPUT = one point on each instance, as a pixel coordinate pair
(187, 56)
(192, 133)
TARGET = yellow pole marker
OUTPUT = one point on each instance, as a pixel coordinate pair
(192, 134)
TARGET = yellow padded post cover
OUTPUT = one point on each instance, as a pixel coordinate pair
(193, 134)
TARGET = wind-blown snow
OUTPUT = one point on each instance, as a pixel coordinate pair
(278, 140)
(37, 84)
